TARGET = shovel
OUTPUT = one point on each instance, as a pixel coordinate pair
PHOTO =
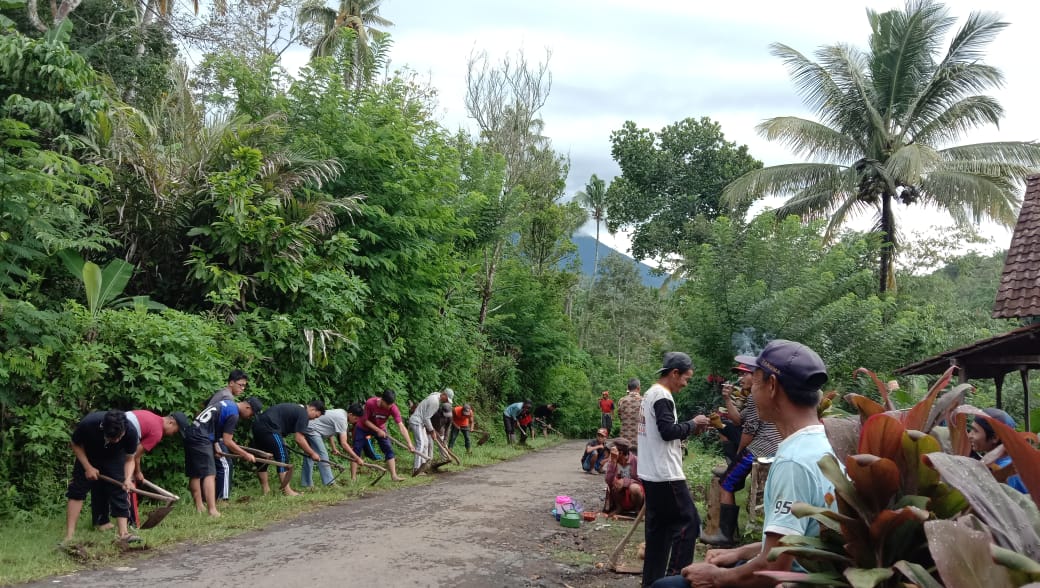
(288, 466)
(403, 446)
(484, 436)
(156, 516)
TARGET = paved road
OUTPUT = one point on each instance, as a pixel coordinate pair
(480, 527)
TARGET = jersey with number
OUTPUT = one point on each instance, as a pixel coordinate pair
(796, 477)
(217, 419)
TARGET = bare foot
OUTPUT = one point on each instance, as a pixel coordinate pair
(397, 479)
(214, 513)
(105, 527)
(290, 492)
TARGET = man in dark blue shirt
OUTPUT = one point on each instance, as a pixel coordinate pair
(216, 423)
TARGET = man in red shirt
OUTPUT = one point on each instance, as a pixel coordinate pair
(378, 410)
(151, 428)
(606, 406)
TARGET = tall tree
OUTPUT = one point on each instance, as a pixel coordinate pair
(354, 24)
(594, 200)
(886, 115)
(670, 182)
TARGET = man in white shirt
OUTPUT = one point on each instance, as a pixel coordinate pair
(785, 386)
(421, 424)
(672, 521)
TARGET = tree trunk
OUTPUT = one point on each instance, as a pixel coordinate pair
(595, 263)
(887, 279)
(490, 266)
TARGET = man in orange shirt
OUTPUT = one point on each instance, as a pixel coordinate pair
(606, 406)
(462, 419)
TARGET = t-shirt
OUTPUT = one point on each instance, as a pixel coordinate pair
(379, 415)
(222, 394)
(542, 412)
(425, 410)
(628, 412)
(660, 451)
(458, 419)
(795, 477)
(333, 422)
(285, 418)
(513, 410)
(1014, 480)
(606, 405)
(88, 435)
(217, 419)
(151, 428)
(765, 437)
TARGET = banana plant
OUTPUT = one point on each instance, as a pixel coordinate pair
(103, 286)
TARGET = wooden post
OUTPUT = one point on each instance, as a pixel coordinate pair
(711, 526)
(759, 472)
(1024, 372)
(998, 381)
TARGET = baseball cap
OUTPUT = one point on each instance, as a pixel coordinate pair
(446, 408)
(182, 422)
(255, 404)
(606, 393)
(742, 367)
(467, 409)
(796, 366)
(998, 415)
(450, 394)
(675, 360)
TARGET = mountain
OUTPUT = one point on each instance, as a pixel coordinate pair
(587, 254)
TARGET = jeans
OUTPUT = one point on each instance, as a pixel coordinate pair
(455, 435)
(672, 528)
(306, 476)
(607, 422)
(593, 460)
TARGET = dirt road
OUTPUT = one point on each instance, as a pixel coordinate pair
(485, 527)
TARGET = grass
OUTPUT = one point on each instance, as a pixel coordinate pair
(29, 545)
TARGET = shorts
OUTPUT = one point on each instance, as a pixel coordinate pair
(734, 478)
(199, 457)
(80, 486)
(274, 444)
(361, 445)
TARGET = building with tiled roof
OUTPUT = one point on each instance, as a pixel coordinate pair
(1019, 293)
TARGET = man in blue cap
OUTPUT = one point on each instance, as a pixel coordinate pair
(785, 386)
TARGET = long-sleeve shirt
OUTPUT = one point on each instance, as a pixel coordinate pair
(425, 410)
(614, 470)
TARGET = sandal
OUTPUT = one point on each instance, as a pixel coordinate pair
(129, 539)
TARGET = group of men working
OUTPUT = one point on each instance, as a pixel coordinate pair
(108, 446)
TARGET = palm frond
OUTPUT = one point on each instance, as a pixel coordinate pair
(959, 118)
(779, 180)
(971, 196)
(811, 81)
(833, 197)
(1025, 153)
(856, 114)
(912, 162)
(978, 31)
(810, 139)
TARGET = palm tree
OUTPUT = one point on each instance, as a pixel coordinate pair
(594, 199)
(887, 119)
(360, 17)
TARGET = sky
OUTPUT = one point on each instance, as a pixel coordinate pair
(660, 61)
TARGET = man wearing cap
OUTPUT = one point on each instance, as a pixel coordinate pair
(786, 388)
(377, 411)
(236, 386)
(672, 522)
(511, 417)
(463, 421)
(628, 411)
(990, 449)
(606, 408)
(758, 439)
(213, 429)
(104, 444)
(270, 430)
(423, 430)
(151, 428)
(595, 456)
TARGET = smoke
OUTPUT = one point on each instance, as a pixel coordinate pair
(749, 341)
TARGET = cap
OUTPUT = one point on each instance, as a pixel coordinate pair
(450, 394)
(606, 393)
(996, 414)
(622, 444)
(255, 404)
(446, 408)
(182, 422)
(467, 409)
(796, 366)
(675, 360)
(602, 432)
(742, 367)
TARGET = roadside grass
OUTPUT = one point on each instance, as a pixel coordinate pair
(29, 547)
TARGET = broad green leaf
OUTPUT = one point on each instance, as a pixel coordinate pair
(92, 284)
(1013, 561)
(1010, 524)
(917, 574)
(72, 261)
(867, 578)
(114, 279)
(916, 475)
(962, 556)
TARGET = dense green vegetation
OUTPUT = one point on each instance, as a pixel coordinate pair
(324, 233)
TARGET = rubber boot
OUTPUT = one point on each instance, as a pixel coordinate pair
(728, 515)
(511, 438)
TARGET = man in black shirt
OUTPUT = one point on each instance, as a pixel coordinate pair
(269, 430)
(104, 443)
(542, 414)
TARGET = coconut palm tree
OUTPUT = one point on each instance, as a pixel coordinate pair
(889, 120)
(359, 17)
(594, 200)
